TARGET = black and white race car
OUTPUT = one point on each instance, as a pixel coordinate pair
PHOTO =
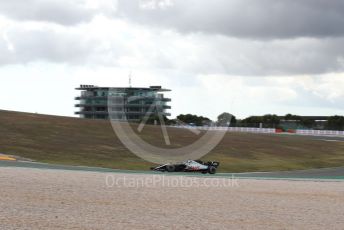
(189, 166)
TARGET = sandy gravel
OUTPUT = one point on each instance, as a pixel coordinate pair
(56, 199)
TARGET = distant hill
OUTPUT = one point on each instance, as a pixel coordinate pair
(74, 141)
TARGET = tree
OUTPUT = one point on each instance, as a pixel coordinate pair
(252, 121)
(335, 123)
(193, 119)
(225, 119)
(271, 119)
(308, 123)
(291, 117)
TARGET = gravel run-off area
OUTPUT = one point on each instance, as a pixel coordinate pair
(58, 199)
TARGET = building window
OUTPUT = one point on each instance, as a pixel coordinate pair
(116, 109)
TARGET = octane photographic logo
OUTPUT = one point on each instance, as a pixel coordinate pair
(117, 105)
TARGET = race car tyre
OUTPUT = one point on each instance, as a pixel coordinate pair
(212, 170)
(170, 168)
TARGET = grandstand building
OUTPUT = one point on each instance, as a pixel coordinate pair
(129, 103)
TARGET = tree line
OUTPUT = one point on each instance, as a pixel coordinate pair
(226, 119)
(266, 121)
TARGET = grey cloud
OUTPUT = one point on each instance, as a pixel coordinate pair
(195, 55)
(19, 45)
(309, 99)
(60, 12)
(44, 46)
(253, 19)
(259, 58)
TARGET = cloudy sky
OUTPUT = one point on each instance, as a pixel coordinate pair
(247, 57)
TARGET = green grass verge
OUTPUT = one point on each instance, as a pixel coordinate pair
(73, 141)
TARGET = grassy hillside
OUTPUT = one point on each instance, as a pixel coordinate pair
(74, 141)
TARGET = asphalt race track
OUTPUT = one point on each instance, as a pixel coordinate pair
(325, 173)
(311, 174)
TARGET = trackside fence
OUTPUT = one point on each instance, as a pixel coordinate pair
(320, 132)
(230, 129)
(266, 130)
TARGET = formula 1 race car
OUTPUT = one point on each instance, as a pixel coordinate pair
(189, 166)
